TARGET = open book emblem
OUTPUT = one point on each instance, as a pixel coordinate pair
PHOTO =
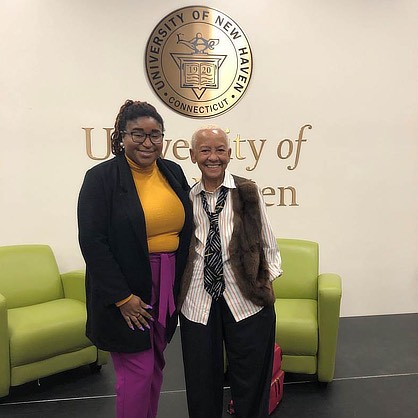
(199, 70)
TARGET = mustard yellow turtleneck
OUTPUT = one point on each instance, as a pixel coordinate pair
(164, 212)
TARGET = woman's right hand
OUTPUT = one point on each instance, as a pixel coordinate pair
(135, 312)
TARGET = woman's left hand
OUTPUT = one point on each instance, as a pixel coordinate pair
(135, 313)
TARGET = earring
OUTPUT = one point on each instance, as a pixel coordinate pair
(121, 144)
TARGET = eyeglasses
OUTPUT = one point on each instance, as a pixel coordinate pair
(155, 137)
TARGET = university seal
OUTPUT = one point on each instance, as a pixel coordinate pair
(198, 61)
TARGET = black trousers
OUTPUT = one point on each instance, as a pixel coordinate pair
(249, 347)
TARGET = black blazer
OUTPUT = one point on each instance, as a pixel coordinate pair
(113, 241)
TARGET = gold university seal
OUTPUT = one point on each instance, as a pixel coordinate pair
(198, 61)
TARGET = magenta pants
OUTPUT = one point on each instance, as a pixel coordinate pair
(139, 376)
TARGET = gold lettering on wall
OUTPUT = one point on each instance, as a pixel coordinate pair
(251, 142)
(242, 149)
(89, 145)
(281, 196)
(166, 146)
(237, 142)
(181, 144)
(256, 154)
(287, 144)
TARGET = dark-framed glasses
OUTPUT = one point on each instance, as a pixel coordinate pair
(156, 137)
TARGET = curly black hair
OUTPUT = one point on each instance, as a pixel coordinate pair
(131, 110)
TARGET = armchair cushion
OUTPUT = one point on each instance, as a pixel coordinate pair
(296, 326)
(45, 330)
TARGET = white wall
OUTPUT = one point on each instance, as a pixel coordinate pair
(347, 67)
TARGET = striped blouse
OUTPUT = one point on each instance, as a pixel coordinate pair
(198, 302)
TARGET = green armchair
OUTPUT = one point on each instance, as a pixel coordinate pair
(42, 317)
(307, 310)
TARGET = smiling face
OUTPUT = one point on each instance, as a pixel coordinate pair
(211, 152)
(145, 154)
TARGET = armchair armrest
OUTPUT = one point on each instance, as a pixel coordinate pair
(73, 283)
(4, 349)
(329, 298)
(102, 357)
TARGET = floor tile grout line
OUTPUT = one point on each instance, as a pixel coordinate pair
(378, 376)
(78, 398)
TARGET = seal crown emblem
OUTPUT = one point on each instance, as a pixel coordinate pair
(198, 61)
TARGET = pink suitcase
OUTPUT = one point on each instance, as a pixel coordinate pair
(277, 359)
(276, 391)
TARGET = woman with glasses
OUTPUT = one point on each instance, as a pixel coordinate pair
(134, 219)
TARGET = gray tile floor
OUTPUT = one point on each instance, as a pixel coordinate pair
(376, 376)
